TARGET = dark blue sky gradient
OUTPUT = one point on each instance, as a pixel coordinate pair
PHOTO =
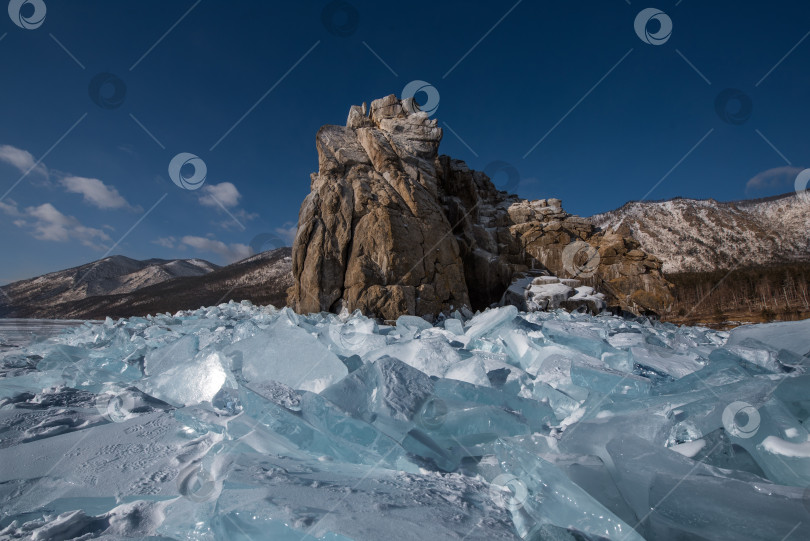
(520, 80)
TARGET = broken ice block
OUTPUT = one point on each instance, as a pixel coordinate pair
(386, 387)
(590, 341)
(470, 370)
(607, 381)
(554, 500)
(490, 320)
(789, 335)
(432, 355)
(165, 357)
(286, 354)
(666, 361)
(454, 325)
(709, 507)
(197, 380)
(412, 324)
(537, 415)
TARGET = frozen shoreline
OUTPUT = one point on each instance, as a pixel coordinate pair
(244, 422)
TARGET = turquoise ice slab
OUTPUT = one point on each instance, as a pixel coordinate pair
(789, 335)
(608, 381)
(387, 387)
(541, 494)
(343, 438)
(383, 432)
(537, 415)
(589, 340)
(710, 507)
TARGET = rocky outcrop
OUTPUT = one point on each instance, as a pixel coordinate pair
(391, 228)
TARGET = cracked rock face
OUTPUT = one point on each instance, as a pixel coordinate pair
(392, 228)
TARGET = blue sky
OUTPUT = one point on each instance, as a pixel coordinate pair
(566, 93)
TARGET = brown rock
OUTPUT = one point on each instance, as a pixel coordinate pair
(391, 228)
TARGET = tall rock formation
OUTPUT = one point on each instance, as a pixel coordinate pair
(391, 228)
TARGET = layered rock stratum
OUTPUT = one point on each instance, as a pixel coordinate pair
(391, 227)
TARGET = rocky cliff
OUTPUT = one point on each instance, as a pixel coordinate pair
(390, 227)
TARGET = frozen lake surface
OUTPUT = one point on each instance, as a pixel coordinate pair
(239, 422)
(21, 332)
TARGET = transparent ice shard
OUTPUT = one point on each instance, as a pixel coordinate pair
(217, 404)
(333, 434)
(470, 370)
(165, 357)
(455, 326)
(540, 494)
(489, 321)
(710, 507)
(562, 404)
(432, 355)
(666, 361)
(412, 324)
(538, 416)
(789, 335)
(386, 387)
(286, 354)
(606, 381)
(588, 339)
(188, 383)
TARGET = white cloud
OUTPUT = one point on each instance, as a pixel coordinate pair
(22, 160)
(236, 220)
(776, 178)
(287, 234)
(229, 252)
(96, 193)
(166, 242)
(46, 222)
(129, 149)
(10, 208)
(224, 193)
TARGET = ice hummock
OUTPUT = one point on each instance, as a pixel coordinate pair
(245, 422)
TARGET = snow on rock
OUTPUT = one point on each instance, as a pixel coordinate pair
(245, 422)
(536, 290)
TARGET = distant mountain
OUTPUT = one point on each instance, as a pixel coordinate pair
(109, 276)
(119, 287)
(691, 235)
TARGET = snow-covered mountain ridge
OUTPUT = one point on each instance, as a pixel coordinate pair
(118, 286)
(704, 234)
(109, 276)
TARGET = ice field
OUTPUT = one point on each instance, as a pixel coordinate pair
(244, 423)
